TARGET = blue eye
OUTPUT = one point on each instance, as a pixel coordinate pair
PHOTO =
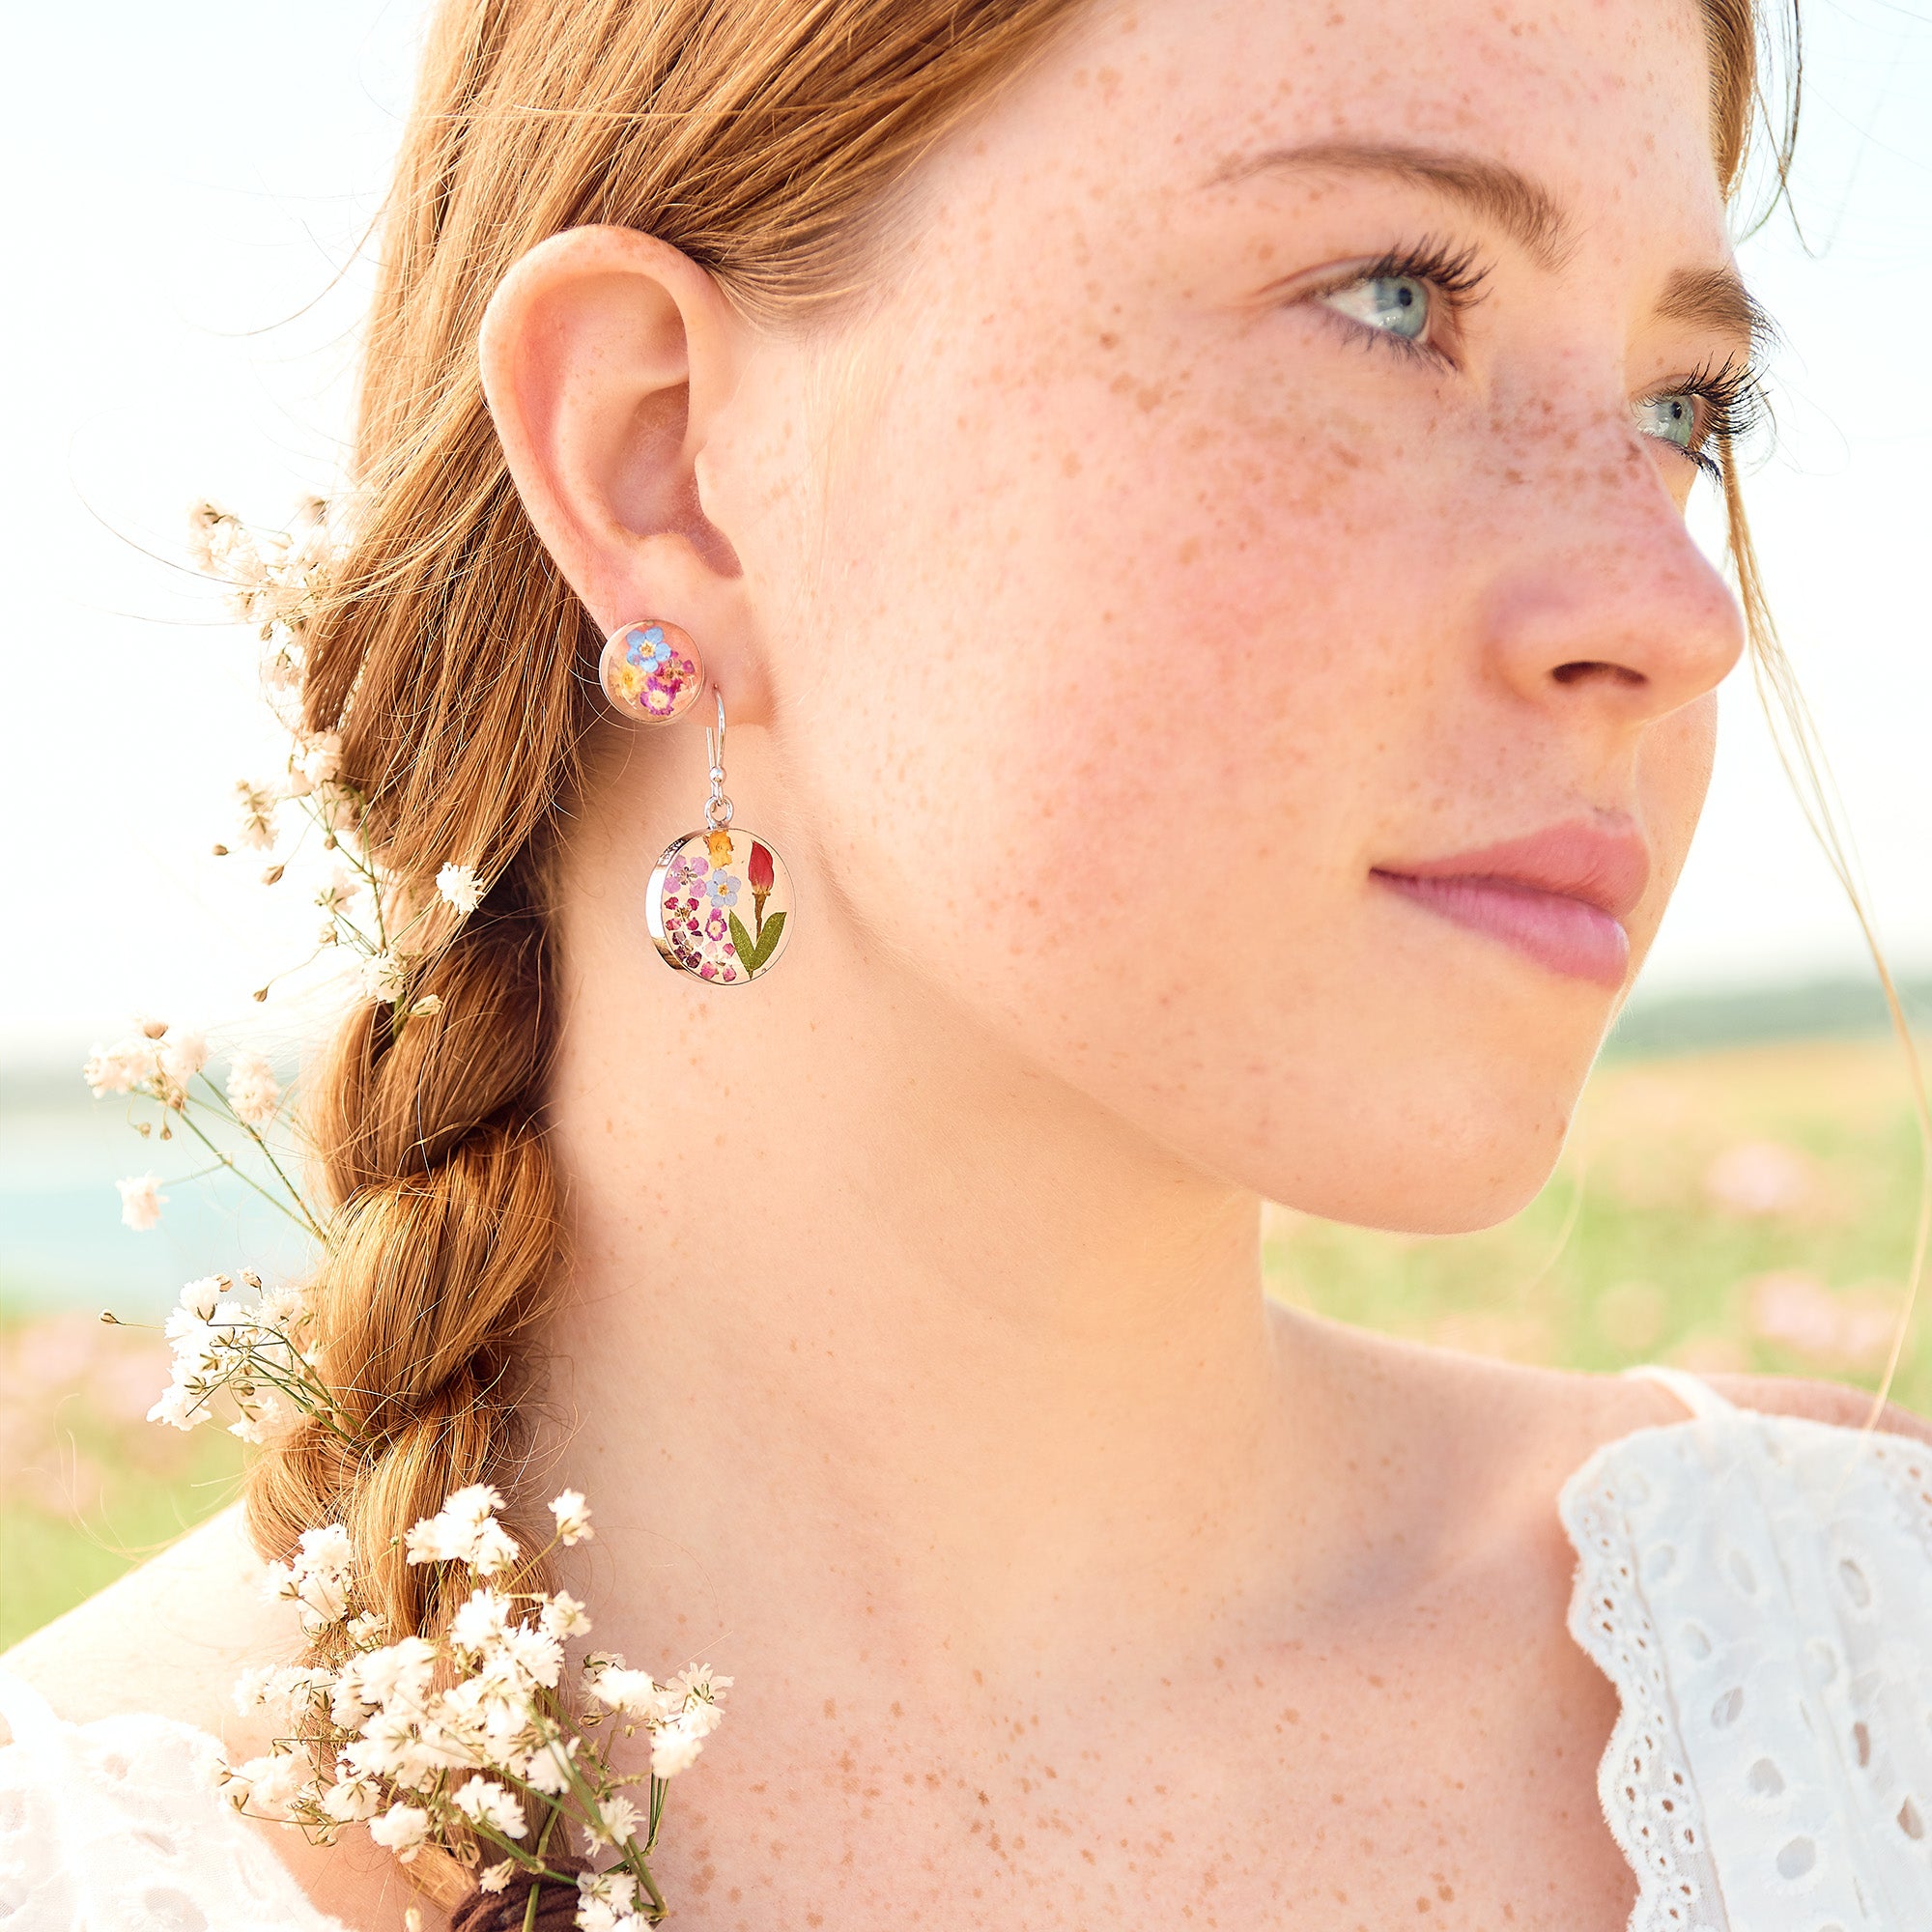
(1395, 304)
(1671, 419)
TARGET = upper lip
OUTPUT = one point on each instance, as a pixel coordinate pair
(1605, 868)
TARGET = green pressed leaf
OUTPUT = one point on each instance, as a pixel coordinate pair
(743, 941)
(768, 940)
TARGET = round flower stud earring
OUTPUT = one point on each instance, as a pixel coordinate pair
(652, 671)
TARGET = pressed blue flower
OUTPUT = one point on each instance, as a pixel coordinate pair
(724, 888)
(645, 648)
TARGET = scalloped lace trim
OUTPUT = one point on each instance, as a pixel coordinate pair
(1643, 1781)
(1758, 1590)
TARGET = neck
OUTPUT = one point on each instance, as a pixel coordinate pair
(878, 1334)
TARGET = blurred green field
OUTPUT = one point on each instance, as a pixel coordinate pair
(1748, 1208)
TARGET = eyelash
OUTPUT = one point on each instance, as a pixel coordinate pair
(1456, 276)
(1733, 399)
(1730, 391)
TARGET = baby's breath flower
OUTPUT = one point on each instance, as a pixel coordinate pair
(321, 759)
(120, 1069)
(399, 1673)
(382, 977)
(141, 1201)
(701, 1682)
(494, 1878)
(457, 886)
(482, 1623)
(317, 1577)
(182, 1057)
(403, 1828)
(352, 1798)
(201, 1297)
(675, 1747)
(267, 1782)
(261, 1419)
(178, 1406)
(278, 1306)
(563, 1616)
(573, 1516)
(495, 1550)
(252, 1089)
(635, 1693)
(342, 887)
(203, 520)
(339, 807)
(281, 1689)
(483, 1802)
(611, 1823)
(281, 670)
(258, 814)
(465, 1530)
(544, 1771)
(606, 1901)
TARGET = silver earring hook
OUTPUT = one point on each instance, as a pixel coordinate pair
(717, 807)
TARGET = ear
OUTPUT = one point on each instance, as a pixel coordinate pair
(608, 357)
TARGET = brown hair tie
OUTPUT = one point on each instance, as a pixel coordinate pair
(504, 1910)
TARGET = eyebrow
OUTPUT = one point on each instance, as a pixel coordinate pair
(1716, 299)
(1520, 207)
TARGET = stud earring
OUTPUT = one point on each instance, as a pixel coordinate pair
(719, 902)
(652, 671)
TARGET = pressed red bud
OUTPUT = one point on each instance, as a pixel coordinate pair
(759, 870)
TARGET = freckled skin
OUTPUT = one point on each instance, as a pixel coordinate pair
(1114, 615)
(1095, 615)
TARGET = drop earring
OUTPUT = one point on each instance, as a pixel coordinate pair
(719, 902)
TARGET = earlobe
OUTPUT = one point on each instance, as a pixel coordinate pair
(607, 358)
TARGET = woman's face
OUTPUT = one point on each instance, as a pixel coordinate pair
(1232, 624)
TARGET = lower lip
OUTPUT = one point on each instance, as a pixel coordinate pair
(1564, 934)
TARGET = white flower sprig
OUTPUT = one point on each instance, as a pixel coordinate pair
(279, 582)
(171, 1069)
(466, 1741)
(255, 1353)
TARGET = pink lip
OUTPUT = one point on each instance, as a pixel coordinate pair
(1559, 897)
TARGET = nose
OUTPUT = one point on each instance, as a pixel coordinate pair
(1605, 601)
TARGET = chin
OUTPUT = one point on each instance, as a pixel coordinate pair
(1450, 1173)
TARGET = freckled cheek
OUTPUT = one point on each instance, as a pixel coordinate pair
(1198, 626)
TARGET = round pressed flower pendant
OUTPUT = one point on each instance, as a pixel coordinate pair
(718, 905)
(651, 671)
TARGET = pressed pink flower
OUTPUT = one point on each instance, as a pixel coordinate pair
(715, 926)
(658, 698)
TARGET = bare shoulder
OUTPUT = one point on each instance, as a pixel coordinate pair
(1495, 1437)
(1533, 1413)
(1818, 1401)
(169, 1640)
(169, 1637)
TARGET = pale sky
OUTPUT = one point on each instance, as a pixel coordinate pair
(187, 183)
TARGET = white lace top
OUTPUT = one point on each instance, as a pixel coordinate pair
(1760, 1590)
(1757, 1587)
